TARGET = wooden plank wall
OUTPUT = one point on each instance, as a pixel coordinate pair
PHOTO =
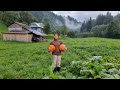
(18, 37)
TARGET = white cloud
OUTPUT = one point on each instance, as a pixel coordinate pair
(71, 25)
(83, 15)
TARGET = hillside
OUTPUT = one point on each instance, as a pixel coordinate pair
(27, 17)
(47, 16)
(56, 21)
(3, 27)
(72, 23)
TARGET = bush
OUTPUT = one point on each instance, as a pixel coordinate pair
(86, 34)
(1, 37)
(99, 30)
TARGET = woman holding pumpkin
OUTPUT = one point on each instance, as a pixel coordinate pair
(56, 47)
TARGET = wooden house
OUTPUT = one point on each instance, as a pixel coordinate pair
(37, 26)
(23, 33)
(37, 29)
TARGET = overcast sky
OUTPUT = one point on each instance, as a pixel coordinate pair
(83, 15)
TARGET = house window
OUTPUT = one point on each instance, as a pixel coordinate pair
(39, 30)
(34, 28)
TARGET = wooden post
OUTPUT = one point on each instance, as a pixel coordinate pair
(27, 38)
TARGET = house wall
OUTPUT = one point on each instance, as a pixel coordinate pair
(17, 37)
(15, 27)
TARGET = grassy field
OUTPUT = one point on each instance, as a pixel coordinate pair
(32, 61)
(3, 28)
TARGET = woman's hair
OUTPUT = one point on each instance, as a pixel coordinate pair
(55, 34)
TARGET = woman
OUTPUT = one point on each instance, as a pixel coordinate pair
(57, 53)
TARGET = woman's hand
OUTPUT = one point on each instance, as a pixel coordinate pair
(50, 52)
(65, 49)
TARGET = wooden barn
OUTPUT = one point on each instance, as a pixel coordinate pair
(37, 26)
(23, 33)
(38, 32)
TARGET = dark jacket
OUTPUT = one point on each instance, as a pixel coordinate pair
(56, 43)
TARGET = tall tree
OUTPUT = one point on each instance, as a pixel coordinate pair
(26, 17)
(47, 28)
(64, 30)
(113, 30)
(104, 19)
(108, 18)
(82, 29)
(89, 25)
(99, 30)
(9, 17)
(117, 17)
(99, 20)
(86, 26)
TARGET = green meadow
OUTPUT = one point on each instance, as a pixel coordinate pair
(19, 60)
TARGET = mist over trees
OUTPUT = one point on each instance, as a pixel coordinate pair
(103, 26)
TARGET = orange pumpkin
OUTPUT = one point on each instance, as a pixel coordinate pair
(62, 47)
(51, 48)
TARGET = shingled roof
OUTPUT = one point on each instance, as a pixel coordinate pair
(28, 28)
(23, 25)
(35, 24)
(20, 24)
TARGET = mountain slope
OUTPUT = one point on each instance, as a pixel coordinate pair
(72, 23)
(56, 21)
(47, 16)
(27, 17)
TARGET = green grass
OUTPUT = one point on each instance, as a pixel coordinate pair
(3, 27)
(32, 61)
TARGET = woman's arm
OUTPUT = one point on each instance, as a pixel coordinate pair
(48, 47)
(65, 45)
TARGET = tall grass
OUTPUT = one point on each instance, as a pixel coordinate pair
(33, 61)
